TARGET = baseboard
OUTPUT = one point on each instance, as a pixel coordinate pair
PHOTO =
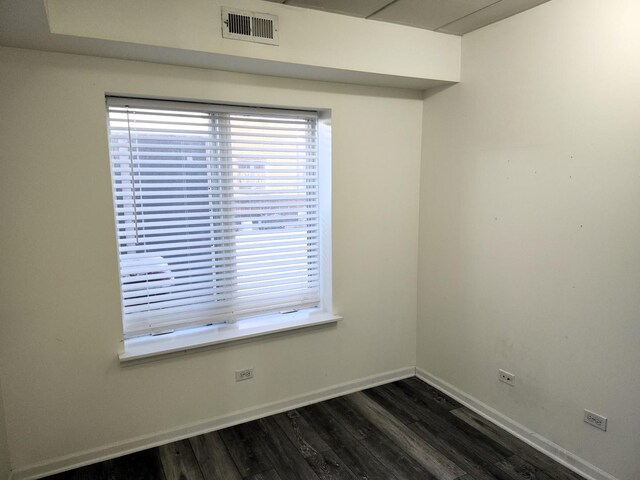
(540, 443)
(114, 450)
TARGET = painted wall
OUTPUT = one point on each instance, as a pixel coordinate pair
(64, 390)
(529, 225)
(307, 37)
(4, 448)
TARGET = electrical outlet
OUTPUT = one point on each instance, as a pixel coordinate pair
(506, 377)
(245, 374)
(595, 420)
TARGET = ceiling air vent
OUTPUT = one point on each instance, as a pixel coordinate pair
(249, 26)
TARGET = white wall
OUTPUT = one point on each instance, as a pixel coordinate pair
(64, 390)
(308, 38)
(529, 225)
(4, 448)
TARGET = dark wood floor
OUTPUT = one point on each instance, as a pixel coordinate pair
(402, 430)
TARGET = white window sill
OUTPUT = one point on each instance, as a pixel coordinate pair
(146, 347)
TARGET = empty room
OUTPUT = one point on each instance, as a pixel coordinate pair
(320, 239)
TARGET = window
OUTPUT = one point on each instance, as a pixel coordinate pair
(217, 212)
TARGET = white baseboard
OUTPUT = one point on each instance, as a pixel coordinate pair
(540, 443)
(114, 450)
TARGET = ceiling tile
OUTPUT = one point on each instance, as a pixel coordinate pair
(488, 15)
(429, 14)
(355, 8)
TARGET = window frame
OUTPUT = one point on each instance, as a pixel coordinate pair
(198, 337)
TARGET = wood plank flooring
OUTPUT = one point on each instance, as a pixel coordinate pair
(401, 430)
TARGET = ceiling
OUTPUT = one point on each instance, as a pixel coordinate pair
(24, 24)
(447, 16)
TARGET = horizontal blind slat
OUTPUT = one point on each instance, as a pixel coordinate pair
(122, 141)
(224, 240)
(283, 264)
(219, 269)
(213, 216)
(205, 295)
(214, 223)
(122, 134)
(170, 286)
(167, 284)
(237, 304)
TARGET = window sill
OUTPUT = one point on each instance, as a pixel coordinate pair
(141, 348)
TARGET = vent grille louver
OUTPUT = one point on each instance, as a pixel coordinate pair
(239, 24)
(250, 26)
(262, 27)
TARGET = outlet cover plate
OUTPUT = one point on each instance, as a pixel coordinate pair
(244, 374)
(506, 377)
(595, 420)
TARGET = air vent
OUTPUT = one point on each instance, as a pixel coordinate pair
(249, 26)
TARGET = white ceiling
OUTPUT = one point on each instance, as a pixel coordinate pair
(448, 16)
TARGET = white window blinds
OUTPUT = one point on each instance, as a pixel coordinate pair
(216, 211)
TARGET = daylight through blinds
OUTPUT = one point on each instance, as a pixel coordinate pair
(216, 211)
